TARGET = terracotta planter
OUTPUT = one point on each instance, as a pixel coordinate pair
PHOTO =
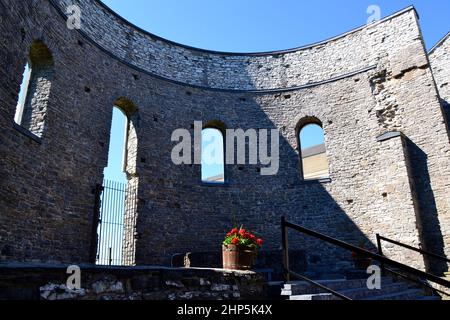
(237, 258)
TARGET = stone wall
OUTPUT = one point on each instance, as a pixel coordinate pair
(360, 86)
(38, 89)
(440, 62)
(276, 70)
(50, 283)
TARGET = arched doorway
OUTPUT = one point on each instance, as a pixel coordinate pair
(118, 199)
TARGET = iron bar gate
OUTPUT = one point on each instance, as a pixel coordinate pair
(116, 224)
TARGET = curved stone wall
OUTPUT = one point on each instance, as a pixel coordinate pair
(440, 62)
(395, 187)
(264, 71)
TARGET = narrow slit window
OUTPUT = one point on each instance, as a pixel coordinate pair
(313, 153)
(34, 94)
(213, 160)
(23, 94)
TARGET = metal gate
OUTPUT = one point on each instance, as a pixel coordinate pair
(116, 222)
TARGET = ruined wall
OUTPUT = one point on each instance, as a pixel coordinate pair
(275, 70)
(440, 62)
(360, 86)
(42, 282)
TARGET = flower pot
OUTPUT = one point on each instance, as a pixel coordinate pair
(238, 258)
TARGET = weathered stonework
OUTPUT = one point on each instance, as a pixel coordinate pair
(374, 80)
(440, 63)
(101, 283)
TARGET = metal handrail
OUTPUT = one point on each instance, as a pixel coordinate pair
(421, 251)
(422, 283)
(375, 256)
(317, 284)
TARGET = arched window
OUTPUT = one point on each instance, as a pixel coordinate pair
(117, 155)
(122, 157)
(314, 162)
(116, 241)
(213, 156)
(34, 92)
(23, 94)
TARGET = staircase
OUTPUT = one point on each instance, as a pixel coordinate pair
(354, 289)
(354, 286)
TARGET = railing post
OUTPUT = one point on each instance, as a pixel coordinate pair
(285, 240)
(110, 258)
(96, 220)
(380, 250)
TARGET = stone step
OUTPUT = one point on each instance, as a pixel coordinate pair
(357, 294)
(363, 293)
(410, 294)
(303, 287)
(355, 289)
(313, 297)
(430, 298)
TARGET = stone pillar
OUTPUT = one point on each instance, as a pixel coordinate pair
(398, 219)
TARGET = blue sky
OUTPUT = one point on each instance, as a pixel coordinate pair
(260, 25)
(115, 158)
(264, 25)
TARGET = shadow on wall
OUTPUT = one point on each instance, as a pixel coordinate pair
(307, 203)
(446, 108)
(430, 229)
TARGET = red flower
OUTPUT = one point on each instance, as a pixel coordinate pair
(243, 237)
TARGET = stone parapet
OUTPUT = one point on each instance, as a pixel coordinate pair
(43, 282)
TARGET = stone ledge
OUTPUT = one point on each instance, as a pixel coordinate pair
(90, 267)
(318, 181)
(27, 133)
(48, 282)
(389, 135)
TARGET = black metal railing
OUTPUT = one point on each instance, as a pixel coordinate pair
(319, 285)
(285, 226)
(114, 201)
(380, 239)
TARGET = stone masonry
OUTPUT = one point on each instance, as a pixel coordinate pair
(373, 90)
(440, 63)
(41, 282)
